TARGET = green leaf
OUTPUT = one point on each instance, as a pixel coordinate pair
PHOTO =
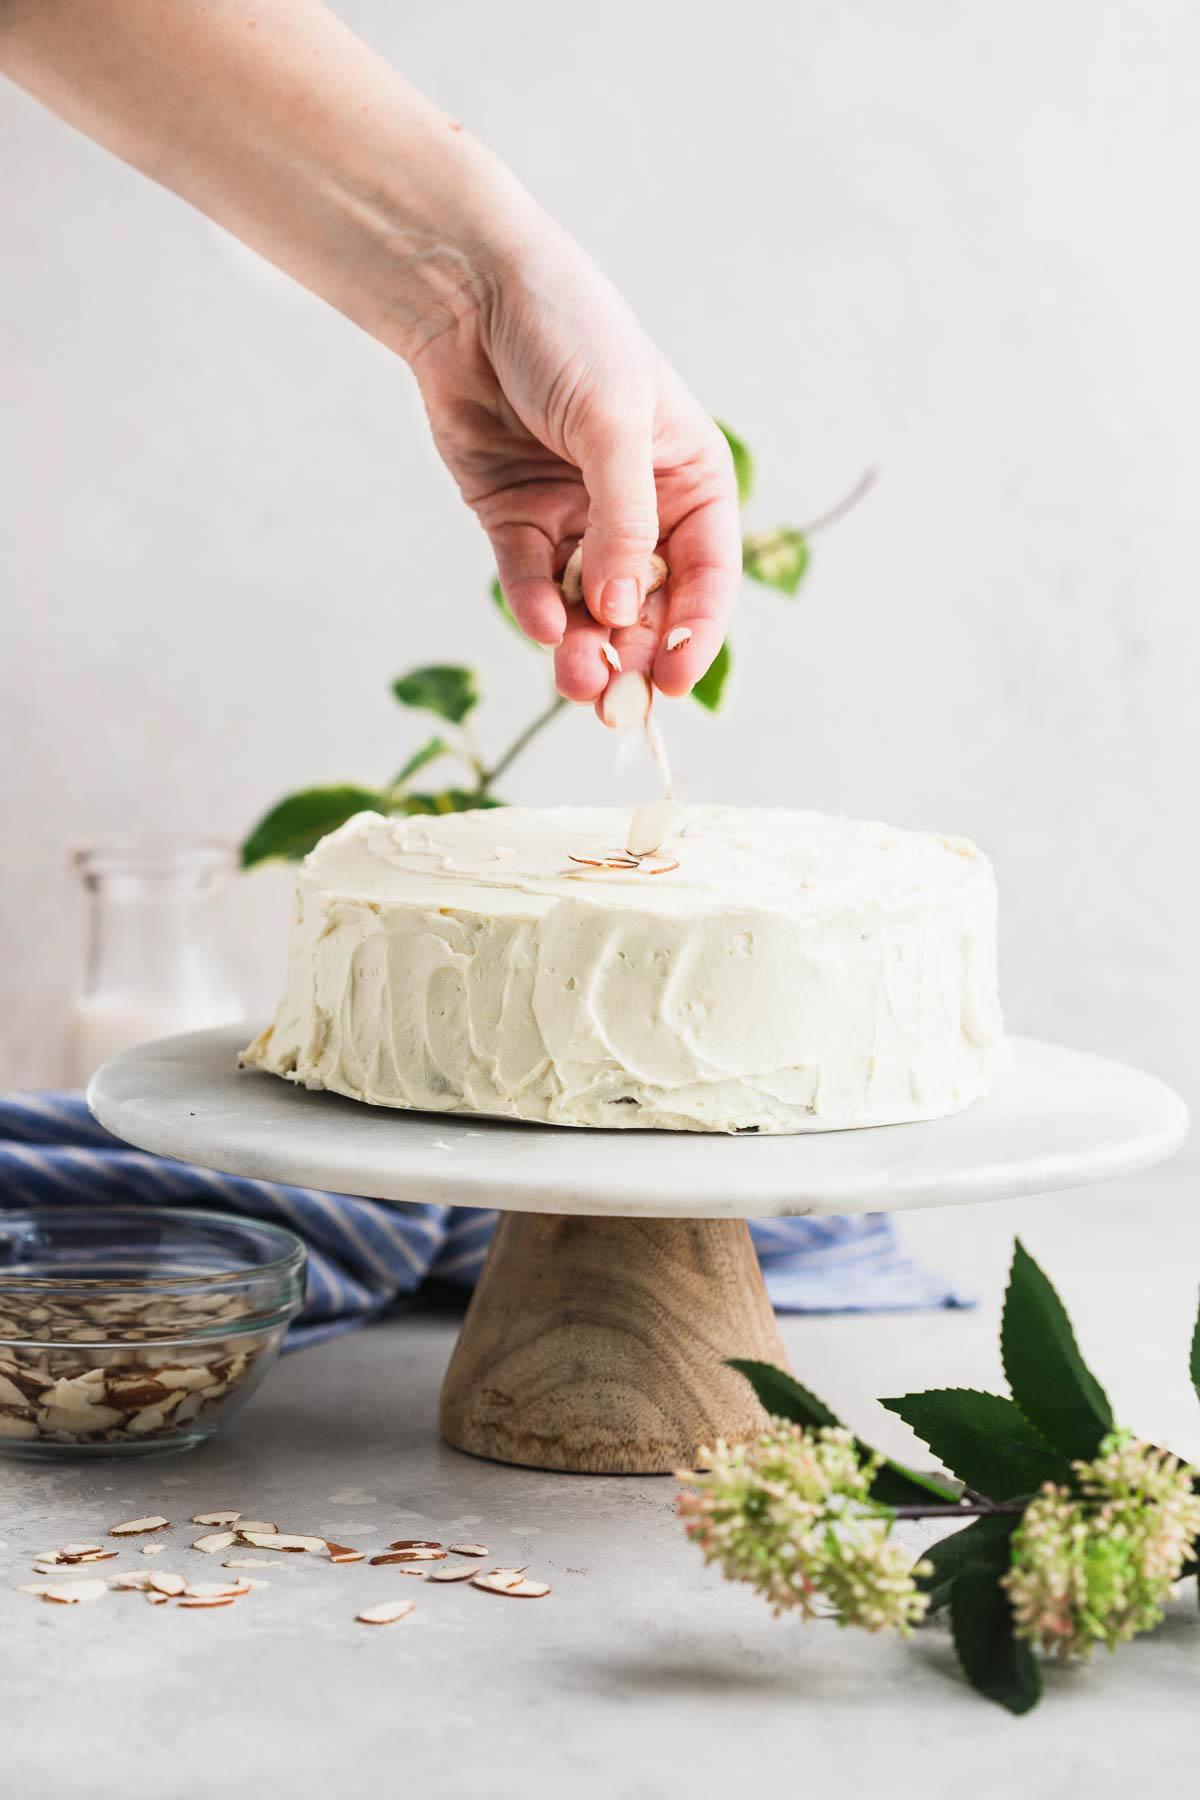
(985, 1540)
(743, 462)
(441, 688)
(984, 1439)
(505, 610)
(298, 824)
(447, 800)
(782, 1396)
(778, 558)
(997, 1664)
(1194, 1360)
(711, 685)
(429, 752)
(1049, 1379)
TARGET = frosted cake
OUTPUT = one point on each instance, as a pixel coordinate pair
(767, 970)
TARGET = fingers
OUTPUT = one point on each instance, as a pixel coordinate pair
(525, 565)
(704, 553)
(580, 670)
(622, 526)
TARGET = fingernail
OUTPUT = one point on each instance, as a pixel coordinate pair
(619, 601)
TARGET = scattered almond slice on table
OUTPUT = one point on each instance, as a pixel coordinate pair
(468, 1549)
(415, 1544)
(67, 1593)
(511, 1581)
(215, 1518)
(135, 1527)
(216, 1540)
(153, 1549)
(452, 1572)
(207, 1600)
(409, 1556)
(216, 1590)
(281, 1540)
(249, 1562)
(387, 1612)
(162, 1582)
(259, 1525)
(342, 1553)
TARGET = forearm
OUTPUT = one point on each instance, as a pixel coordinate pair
(275, 120)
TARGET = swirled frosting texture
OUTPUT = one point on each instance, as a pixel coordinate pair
(793, 973)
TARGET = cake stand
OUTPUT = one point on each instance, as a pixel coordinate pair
(622, 1275)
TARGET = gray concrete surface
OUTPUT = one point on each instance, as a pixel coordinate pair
(643, 1675)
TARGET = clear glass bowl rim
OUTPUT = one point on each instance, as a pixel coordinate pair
(107, 1220)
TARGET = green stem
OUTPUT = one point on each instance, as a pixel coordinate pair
(521, 742)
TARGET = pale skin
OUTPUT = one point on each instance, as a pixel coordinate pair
(552, 410)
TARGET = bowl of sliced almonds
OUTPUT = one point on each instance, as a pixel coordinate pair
(131, 1330)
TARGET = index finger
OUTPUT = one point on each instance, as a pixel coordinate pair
(704, 555)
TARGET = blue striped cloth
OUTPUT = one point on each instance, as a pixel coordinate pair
(366, 1255)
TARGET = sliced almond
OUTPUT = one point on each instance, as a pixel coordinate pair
(215, 1518)
(137, 1579)
(468, 1549)
(453, 1572)
(153, 1549)
(216, 1540)
(498, 1583)
(656, 574)
(342, 1553)
(611, 655)
(259, 1525)
(279, 1540)
(415, 1544)
(163, 1582)
(207, 1600)
(156, 1599)
(678, 637)
(249, 1562)
(625, 703)
(216, 1590)
(386, 1613)
(571, 580)
(134, 1527)
(70, 1593)
(651, 826)
(409, 1556)
(69, 1550)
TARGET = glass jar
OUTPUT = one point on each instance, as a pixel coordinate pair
(152, 966)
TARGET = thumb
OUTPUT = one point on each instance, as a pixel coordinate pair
(617, 464)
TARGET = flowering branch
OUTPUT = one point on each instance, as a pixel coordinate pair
(1073, 1532)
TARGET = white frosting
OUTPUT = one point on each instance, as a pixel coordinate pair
(792, 973)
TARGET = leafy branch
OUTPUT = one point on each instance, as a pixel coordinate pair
(778, 558)
(1072, 1533)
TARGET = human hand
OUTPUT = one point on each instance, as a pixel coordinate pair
(559, 420)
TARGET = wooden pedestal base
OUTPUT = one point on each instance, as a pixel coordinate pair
(597, 1344)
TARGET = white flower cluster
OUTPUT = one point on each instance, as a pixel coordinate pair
(791, 1514)
(1096, 1568)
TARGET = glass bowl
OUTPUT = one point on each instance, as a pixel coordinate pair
(126, 1330)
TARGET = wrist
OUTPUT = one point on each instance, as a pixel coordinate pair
(445, 244)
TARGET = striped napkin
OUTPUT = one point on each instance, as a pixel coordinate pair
(364, 1256)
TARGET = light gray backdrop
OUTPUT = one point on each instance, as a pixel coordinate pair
(958, 240)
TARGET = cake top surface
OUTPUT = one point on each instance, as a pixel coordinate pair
(522, 859)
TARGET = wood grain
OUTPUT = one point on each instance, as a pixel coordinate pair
(597, 1344)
